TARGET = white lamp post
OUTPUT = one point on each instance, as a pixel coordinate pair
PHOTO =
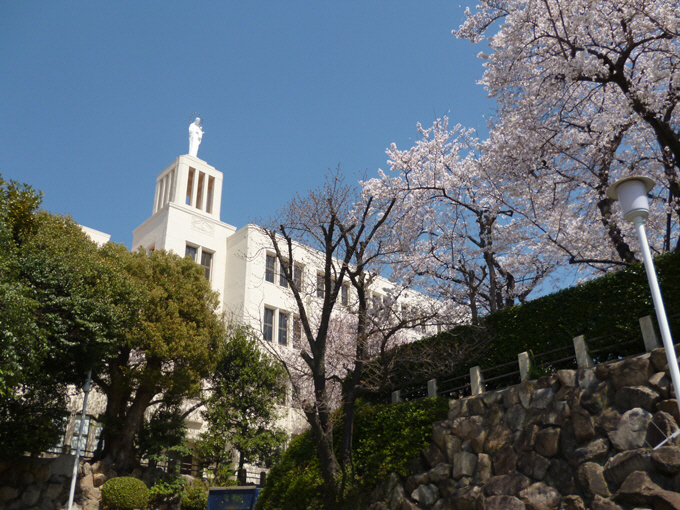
(632, 193)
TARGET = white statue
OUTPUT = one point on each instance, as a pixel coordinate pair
(195, 136)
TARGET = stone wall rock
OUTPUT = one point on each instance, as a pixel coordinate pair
(577, 440)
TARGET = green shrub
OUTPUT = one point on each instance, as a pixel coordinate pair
(195, 496)
(165, 488)
(124, 493)
(386, 438)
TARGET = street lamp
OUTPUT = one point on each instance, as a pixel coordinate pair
(631, 192)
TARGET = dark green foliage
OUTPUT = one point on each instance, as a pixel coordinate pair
(195, 496)
(163, 436)
(59, 313)
(605, 310)
(241, 411)
(386, 437)
(124, 493)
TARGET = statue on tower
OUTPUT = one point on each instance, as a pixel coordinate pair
(195, 136)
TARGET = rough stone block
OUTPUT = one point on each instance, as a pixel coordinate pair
(637, 489)
(476, 406)
(452, 446)
(492, 398)
(595, 451)
(567, 377)
(468, 499)
(464, 427)
(596, 399)
(464, 464)
(572, 503)
(506, 485)
(582, 424)
(666, 460)
(433, 455)
(548, 442)
(631, 431)
(661, 428)
(630, 397)
(600, 503)
(505, 460)
(426, 495)
(661, 383)
(533, 465)
(618, 467)
(483, 467)
(591, 479)
(527, 438)
(586, 378)
(631, 372)
(510, 397)
(503, 503)
(556, 413)
(542, 397)
(525, 391)
(8, 493)
(671, 407)
(608, 421)
(540, 496)
(561, 476)
(439, 473)
(514, 417)
(500, 435)
(31, 495)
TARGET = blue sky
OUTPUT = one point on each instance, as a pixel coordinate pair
(96, 97)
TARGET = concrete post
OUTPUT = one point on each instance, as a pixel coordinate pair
(263, 478)
(242, 476)
(477, 380)
(524, 365)
(396, 397)
(649, 334)
(432, 388)
(583, 359)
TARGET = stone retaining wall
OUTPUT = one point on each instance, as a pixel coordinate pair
(580, 439)
(44, 484)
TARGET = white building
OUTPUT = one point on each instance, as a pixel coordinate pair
(239, 263)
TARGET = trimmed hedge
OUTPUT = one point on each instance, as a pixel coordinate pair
(386, 438)
(606, 310)
(124, 493)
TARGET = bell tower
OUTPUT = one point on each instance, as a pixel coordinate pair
(192, 183)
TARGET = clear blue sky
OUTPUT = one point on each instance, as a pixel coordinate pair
(96, 97)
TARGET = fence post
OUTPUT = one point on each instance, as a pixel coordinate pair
(583, 359)
(476, 380)
(242, 476)
(432, 388)
(524, 365)
(396, 397)
(263, 478)
(649, 333)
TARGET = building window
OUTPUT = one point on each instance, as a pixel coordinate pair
(269, 270)
(320, 286)
(283, 281)
(297, 276)
(206, 262)
(344, 295)
(268, 329)
(297, 331)
(191, 251)
(283, 328)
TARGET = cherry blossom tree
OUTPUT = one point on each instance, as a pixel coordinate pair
(346, 235)
(459, 236)
(587, 92)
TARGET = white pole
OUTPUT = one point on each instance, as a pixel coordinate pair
(672, 358)
(86, 390)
